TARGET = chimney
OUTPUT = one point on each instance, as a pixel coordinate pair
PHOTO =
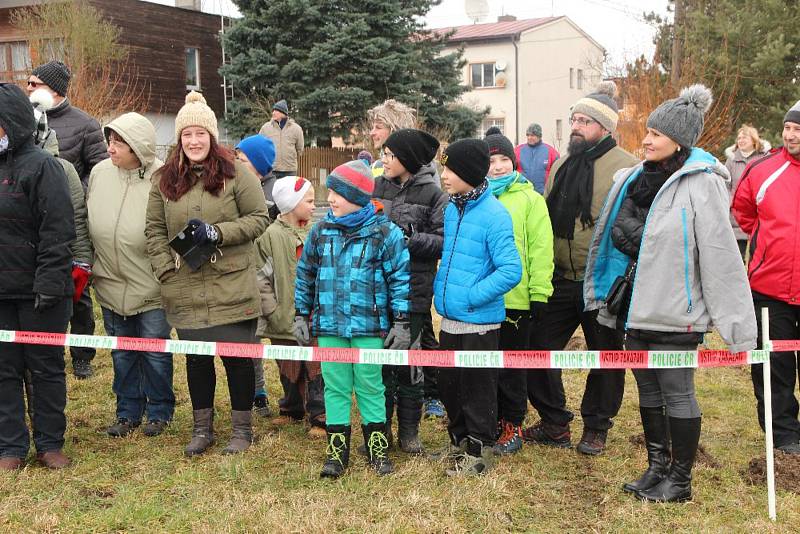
(506, 18)
(194, 5)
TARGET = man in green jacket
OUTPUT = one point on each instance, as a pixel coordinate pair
(575, 192)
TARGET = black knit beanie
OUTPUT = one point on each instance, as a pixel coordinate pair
(55, 74)
(500, 144)
(414, 148)
(469, 159)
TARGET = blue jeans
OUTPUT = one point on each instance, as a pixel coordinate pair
(142, 380)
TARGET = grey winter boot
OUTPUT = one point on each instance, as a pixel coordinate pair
(242, 436)
(202, 433)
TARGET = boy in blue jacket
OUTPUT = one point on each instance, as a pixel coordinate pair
(354, 277)
(480, 264)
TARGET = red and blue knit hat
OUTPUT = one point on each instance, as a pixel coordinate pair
(353, 180)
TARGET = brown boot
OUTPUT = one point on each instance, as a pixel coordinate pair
(53, 459)
(10, 463)
(202, 433)
(242, 436)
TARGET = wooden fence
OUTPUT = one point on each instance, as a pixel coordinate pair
(317, 163)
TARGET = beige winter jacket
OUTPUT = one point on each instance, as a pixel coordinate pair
(288, 144)
(117, 203)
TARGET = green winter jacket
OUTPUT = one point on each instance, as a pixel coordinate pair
(223, 290)
(277, 271)
(533, 237)
(117, 203)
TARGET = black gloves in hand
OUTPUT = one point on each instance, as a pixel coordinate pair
(44, 302)
(204, 233)
(538, 311)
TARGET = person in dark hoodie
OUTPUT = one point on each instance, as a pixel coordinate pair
(411, 196)
(35, 284)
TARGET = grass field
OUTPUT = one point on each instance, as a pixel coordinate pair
(140, 484)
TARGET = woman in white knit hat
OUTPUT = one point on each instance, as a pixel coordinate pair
(201, 185)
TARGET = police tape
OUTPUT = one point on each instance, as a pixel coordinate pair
(508, 359)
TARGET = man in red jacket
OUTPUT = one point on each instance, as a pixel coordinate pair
(767, 207)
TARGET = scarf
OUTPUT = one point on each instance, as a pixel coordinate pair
(644, 189)
(501, 184)
(355, 219)
(461, 199)
(573, 187)
(4, 142)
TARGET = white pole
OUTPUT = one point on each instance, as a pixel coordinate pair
(765, 344)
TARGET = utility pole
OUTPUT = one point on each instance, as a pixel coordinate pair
(678, 38)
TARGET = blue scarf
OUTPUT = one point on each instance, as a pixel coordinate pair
(501, 184)
(355, 219)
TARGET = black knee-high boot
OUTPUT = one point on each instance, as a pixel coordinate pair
(656, 438)
(677, 486)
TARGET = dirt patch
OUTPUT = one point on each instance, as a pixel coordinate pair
(703, 456)
(787, 471)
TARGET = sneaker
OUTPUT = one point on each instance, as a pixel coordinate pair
(468, 465)
(549, 434)
(450, 452)
(154, 428)
(790, 448)
(82, 369)
(434, 409)
(261, 406)
(592, 442)
(510, 440)
(122, 428)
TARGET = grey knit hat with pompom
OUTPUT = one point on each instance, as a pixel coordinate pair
(600, 105)
(681, 119)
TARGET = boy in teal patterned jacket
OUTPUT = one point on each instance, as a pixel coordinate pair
(353, 283)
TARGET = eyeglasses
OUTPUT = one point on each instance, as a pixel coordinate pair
(580, 121)
(388, 156)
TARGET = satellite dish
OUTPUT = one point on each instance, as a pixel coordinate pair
(476, 10)
(500, 65)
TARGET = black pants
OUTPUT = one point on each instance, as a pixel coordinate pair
(429, 342)
(82, 322)
(46, 367)
(470, 394)
(602, 397)
(512, 390)
(283, 174)
(784, 323)
(202, 378)
(402, 380)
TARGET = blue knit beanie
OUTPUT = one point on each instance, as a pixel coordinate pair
(260, 151)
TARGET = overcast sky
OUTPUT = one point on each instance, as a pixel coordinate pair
(618, 25)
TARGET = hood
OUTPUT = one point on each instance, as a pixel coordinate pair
(520, 184)
(732, 151)
(16, 116)
(427, 174)
(51, 143)
(138, 133)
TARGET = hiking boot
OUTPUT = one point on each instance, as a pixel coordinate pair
(261, 406)
(53, 459)
(409, 412)
(377, 447)
(242, 435)
(510, 440)
(337, 452)
(450, 452)
(9, 463)
(656, 441)
(475, 461)
(790, 448)
(154, 428)
(677, 486)
(123, 427)
(592, 441)
(362, 449)
(434, 409)
(552, 435)
(202, 433)
(82, 369)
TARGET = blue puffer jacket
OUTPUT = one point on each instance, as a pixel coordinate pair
(480, 262)
(350, 278)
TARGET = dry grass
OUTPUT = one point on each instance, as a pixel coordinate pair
(141, 484)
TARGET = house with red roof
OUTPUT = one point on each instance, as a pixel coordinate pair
(528, 70)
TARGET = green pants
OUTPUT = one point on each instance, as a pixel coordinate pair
(341, 379)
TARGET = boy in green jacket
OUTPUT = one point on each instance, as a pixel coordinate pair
(526, 303)
(278, 250)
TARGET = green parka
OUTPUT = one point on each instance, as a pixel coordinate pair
(533, 237)
(223, 290)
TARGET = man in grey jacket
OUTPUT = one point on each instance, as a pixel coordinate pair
(288, 138)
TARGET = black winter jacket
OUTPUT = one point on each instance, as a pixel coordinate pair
(38, 226)
(80, 139)
(419, 202)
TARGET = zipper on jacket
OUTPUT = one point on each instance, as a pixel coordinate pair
(686, 261)
(116, 245)
(753, 247)
(449, 260)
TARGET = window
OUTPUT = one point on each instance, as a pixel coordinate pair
(192, 68)
(15, 61)
(482, 74)
(559, 124)
(571, 78)
(580, 78)
(488, 123)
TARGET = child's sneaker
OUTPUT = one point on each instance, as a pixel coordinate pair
(261, 406)
(449, 453)
(510, 440)
(549, 434)
(475, 461)
(434, 409)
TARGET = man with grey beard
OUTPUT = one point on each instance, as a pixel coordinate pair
(575, 191)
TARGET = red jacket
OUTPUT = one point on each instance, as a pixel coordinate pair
(767, 207)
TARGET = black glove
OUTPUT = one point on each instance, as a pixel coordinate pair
(44, 302)
(204, 233)
(538, 311)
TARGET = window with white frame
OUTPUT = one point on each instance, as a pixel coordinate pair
(192, 68)
(571, 78)
(489, 122)
(482, 74)
(580, 78)
(15, 61)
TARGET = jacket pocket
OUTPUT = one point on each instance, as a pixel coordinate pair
(233, 280)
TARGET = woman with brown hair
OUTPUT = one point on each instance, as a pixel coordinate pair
(202, 186)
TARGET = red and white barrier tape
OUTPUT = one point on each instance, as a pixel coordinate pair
(534, 359)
